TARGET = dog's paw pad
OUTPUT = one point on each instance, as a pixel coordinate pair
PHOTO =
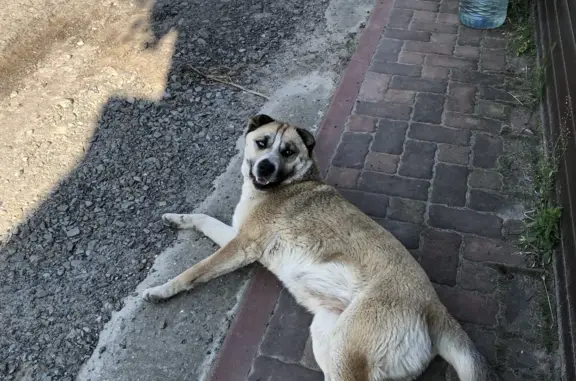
(172, 220)
(153, 295)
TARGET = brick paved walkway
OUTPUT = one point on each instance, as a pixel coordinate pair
(417, 136)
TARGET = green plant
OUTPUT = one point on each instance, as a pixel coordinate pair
(522, 26)
(538, 81)
(542, 232)
(530, 90)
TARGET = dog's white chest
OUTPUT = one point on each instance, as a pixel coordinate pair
(240, 213)
(317, 286)
(248, 200)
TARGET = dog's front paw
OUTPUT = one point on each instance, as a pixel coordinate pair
(173, 220)
(155, 294)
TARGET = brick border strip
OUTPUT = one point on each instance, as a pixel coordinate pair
(243, 339)
(333, 124)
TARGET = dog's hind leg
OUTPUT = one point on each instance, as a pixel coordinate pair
(321, 332)
(216, 230)
(374, 340)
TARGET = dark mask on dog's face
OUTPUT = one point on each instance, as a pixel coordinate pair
(276, 153)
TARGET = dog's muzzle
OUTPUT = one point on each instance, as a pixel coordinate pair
(265, 172)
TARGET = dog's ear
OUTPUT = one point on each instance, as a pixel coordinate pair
(258, 121)
(307, 138)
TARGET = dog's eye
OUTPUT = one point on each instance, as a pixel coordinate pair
(287, 152)
(261, 144)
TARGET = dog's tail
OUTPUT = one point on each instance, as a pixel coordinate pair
(454, 346)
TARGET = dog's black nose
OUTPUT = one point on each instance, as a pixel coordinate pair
(266, 168)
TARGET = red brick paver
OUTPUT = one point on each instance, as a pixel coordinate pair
(415, 136)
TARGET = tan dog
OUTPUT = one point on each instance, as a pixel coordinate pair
(376, 314)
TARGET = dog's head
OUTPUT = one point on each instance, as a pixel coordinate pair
(276, 153)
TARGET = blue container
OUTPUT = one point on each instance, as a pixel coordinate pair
(483, 14)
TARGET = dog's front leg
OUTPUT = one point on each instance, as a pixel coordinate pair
(216, 230)
(235, 254)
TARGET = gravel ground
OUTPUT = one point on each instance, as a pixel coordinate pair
(94, 236)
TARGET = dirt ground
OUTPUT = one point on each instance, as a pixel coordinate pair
(60, 62)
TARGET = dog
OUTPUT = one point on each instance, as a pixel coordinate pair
(376, 314)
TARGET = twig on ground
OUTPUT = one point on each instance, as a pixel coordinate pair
(218, 79)
(549, 303)
(517, 100)
(509, 93)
